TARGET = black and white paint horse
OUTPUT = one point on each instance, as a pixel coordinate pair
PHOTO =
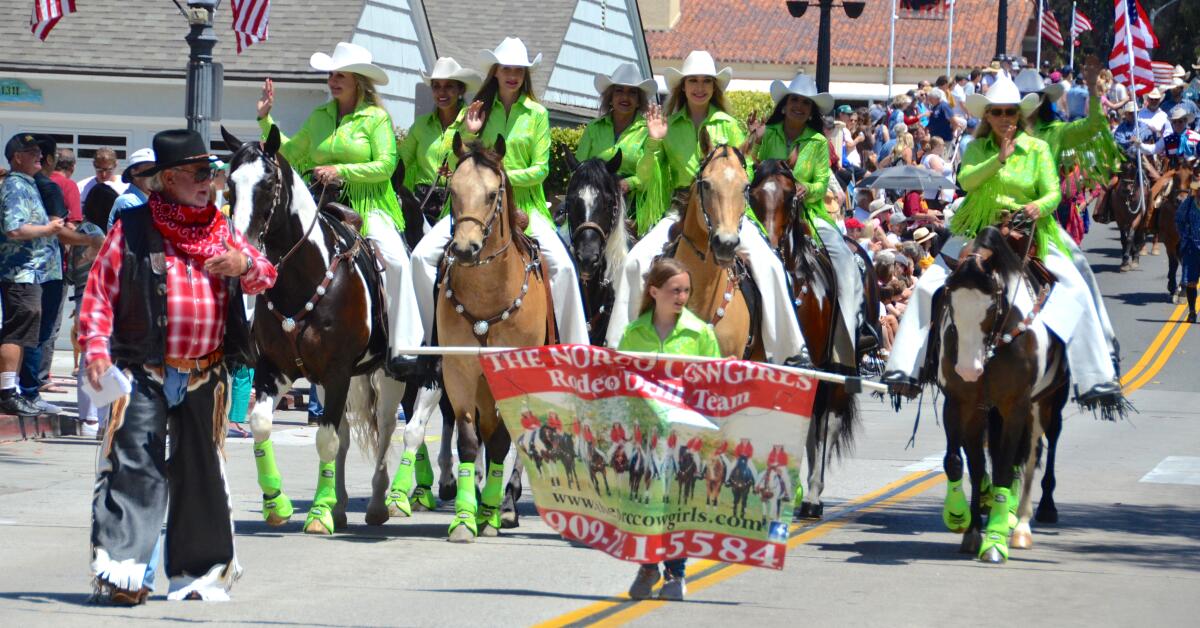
(324, 321)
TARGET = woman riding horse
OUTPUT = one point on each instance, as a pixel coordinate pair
(1006, 168)
(425, 151)
(672, 157)
(621, 127)
(505, 107)
(350, 141)
(1087, 143)
(795, 126)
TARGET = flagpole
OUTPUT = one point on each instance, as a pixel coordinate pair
(1137, 140)
(892, 54)
(950, 41)
(1038, 63)
(1072, 36)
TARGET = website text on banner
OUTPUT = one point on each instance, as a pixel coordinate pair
(653, 459)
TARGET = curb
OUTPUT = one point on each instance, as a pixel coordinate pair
(15, 428)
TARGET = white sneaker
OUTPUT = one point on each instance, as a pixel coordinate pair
(647, 577)
(89, 429)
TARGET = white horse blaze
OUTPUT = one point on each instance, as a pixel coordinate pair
(969, 307)
(244, 180)
(588, 195)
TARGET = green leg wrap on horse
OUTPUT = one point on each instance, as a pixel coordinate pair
(320, 515)
(424, 468)
(493, 493)
(397, 499)
(1015, 502)
(996, 534)
(799, 495)
(465, 505)
(956, 511)
(277, 508)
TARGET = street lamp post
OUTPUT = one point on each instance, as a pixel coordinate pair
(1002, 27)
(853, 10)
(203, 76)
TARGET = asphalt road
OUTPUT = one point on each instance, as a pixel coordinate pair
(1124, 552)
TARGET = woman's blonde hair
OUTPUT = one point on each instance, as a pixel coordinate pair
(660, 273)
(678, 99)
(366, 90)
(606, 101)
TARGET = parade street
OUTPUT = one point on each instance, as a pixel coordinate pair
(1124, 552)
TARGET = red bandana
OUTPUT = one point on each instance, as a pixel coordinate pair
(200, 232)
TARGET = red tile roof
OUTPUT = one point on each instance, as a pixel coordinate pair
(761, 31)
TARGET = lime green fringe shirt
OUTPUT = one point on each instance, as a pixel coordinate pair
(811, 170)
(362, 149)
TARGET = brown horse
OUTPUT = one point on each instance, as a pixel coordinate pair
(714, 480)
(493, 292)
(777, 200)
(1129, 208)
(706, 240)
(1168, 196)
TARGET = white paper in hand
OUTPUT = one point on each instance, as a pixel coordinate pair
(113, 386)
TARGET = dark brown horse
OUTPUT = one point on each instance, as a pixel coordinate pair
(323, 320)
(1169, 196)
(777, 200)
(1129, 202)
(599, 235)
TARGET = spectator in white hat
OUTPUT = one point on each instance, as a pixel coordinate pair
(138, 182)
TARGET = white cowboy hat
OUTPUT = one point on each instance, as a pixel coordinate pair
(1030, 82)
(697, 63)
(1178, 82)
(511, 52)
(447, 69)
(629, 75)
(802, 85)
(1179, 113)
(1002, 92)
(1128, 107)
(1153, 94)
(349, 57)
(1178, 72)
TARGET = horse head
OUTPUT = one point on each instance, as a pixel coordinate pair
(773, 197)
(595, 212)
(720, 195)
(480, 200)
(976, 298)
(261, 186)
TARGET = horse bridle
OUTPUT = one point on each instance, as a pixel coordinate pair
(497, 207)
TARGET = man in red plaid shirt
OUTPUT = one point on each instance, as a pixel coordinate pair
(163, 303)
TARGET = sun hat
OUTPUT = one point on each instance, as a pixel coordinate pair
(1179, 113)
(1002, 92)
(1178, 72)
(802, 85)
(1178, 82)
(178, 147)
(697, 63)
(923, 235)
(629, 75)
(352, 58)
(511, 52)
(993, 67)
(1030, 82)
(447, 69)
(137, 158)
(1128, 107)
(878, 206)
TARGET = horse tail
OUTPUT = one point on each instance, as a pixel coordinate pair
(842, 418)
(361, 402)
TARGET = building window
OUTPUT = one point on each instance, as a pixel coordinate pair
(86, 144)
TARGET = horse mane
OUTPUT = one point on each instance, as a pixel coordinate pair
(770, 168)
(1003, 260)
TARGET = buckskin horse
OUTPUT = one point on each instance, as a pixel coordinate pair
(705, 241)
(599, 235)
(324, 320)
(777, 199)
(494, 291)
(1005, 378)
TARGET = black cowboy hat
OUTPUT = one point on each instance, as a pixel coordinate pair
(178, 147)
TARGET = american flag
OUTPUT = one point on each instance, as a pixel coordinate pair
(46, 14)
(1050, 26)
(250, 20)
(1079, 24)
(1164, 72)
(1130, 22)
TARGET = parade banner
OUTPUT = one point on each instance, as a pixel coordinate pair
(653, 459)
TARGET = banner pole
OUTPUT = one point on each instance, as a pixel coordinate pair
(1038, 63)
(950, 41)
(481, 351)
(1072, 36)
(1137, 141)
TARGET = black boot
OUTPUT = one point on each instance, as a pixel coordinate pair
(400, 367)
(1191, 299)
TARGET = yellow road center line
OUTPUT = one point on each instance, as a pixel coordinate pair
(642, 608)
(696, 566)
(1162, 359)
(1150, 352)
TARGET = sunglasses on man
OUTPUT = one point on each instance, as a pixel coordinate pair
(200, 175)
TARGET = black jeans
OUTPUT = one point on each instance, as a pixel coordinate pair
(137, 482)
